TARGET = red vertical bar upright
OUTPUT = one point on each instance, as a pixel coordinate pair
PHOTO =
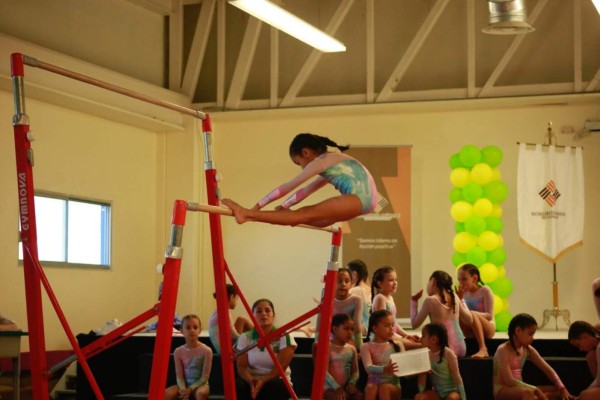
(212, 190)
(33, 291)
(322, 356)
(168, 302)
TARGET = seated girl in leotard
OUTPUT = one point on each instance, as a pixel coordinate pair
(510, 358)
(383, 286)
(479, 299)
(445, 376)
(586, 338)
(443, 306)
(348, 175)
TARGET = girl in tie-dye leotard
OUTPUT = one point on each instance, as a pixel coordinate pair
(376, 354)
(354, 182)
(342, 374)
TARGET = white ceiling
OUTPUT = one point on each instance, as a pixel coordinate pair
(398, 50)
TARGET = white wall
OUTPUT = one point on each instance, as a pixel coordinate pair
(91, 158)
(285, 264)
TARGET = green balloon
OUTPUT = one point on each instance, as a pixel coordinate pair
(497, 257)
(458, 259)
(472, 192)
(496, 191)
(501, 286)
(491, 155)
(455, 161)
(459, 227)
(494, 224)
(469, 155)
(455, 195)
(475, 225)
(502, 320)
(476, 256)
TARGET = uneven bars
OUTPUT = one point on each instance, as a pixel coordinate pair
(193, 206)
(33, 62)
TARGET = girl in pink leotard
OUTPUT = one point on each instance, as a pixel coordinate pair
(383, 285)
(354, 182)
(479, 299)
(442, 306)
(508, 365)
(193, 362)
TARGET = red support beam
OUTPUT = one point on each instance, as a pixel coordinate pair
(322, 355)
(216, 235)
(24, 158)
(168, 303)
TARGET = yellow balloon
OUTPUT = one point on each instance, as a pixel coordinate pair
(505, 304)
(498, 304)
(488, 272)
(481, 173)
(463, 242)
(496, 211)
(500, 241)
(461, 211)
(460, 177)
(488, 241)
(483, 207)
(496, 175)
(501, 271)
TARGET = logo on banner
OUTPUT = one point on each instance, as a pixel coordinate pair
(549, 193)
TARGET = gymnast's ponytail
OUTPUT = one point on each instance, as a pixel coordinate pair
(314, 142)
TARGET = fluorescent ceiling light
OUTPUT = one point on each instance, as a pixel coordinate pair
(597, 4)
(290, 24)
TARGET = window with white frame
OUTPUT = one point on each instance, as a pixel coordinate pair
(72, 231)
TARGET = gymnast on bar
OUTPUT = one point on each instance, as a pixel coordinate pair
(351, 178)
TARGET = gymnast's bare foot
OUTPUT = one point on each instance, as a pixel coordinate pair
(239, 212)
(481, 354)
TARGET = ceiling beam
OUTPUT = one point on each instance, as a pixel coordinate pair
(162, 7)
(175, 45)
(315, 55)
(510, 52)
(577, 57)
(413, 49)
(274, 73)
(244, 63)
(199, 42)
(370, 46)
(594, 82)
(471, 48)
(221, 10)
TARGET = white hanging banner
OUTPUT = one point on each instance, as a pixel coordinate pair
(550, 199)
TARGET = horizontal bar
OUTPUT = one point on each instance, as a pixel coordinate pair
(33, 62)
(193, 206)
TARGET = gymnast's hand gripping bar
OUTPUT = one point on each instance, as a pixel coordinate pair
(193, 206)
